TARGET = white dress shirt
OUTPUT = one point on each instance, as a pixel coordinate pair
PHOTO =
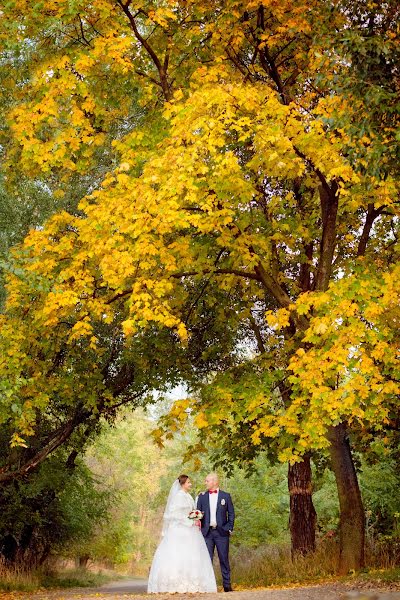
(213, 508)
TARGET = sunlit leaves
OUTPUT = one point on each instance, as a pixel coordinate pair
(221, 180)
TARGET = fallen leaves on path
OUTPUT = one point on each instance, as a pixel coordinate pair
(338, 591)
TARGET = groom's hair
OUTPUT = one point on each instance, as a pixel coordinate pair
(183, 479)
(214, 476)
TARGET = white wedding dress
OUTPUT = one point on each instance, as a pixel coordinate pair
(181, 562)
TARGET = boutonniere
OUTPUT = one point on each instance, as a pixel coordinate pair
(223, 501)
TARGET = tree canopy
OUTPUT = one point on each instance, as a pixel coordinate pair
(247, 174)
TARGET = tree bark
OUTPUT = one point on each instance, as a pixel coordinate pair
(83, 561)
(372, 214)
(57, 439)
(352, 518)
(303, 517)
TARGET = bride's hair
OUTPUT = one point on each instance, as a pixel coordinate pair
(183, 479)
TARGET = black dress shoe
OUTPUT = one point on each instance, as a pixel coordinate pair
(228, 589)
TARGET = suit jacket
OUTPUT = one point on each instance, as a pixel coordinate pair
(225, 513)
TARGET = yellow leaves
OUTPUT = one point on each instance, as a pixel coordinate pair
(180, 406)
(348, 369)
(59, 193)
(82, 328)
(278, 319)
(128, 327)
(288, 455)
(158, 436)
(172, 422)
(62, 117)
(42, 140)
(267, 426)
(178, 95)
(373, 311)
(17, 440)
(162, 16)
(122, 178)
(321, 326)
(277, 132)
(84, 63)
(182, 332)
(200, 420)
(112, 49)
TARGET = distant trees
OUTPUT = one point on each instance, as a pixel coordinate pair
(55, 507)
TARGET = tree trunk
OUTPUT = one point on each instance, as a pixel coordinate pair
(303, 517)
(83, 561)
(352, 519)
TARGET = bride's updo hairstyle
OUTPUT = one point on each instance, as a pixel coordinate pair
(183, 479)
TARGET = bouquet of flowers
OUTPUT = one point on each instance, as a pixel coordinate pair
(195, 515)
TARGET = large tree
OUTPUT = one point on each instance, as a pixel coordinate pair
(251, 174)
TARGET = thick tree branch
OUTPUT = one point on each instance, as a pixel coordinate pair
(305, 268)
(318, 173)
(372, 214)
(257, 334)
(272, 286)
(282, 298)
(8, 473)
(150, 51)
(63, 433)
(329, 207)
(268, 62)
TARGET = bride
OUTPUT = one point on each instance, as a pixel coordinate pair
(181, 562)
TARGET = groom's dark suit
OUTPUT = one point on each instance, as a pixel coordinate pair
(218, 536)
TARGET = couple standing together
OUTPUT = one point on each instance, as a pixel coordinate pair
(183, 560)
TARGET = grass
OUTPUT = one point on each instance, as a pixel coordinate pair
(271, 566)
(19, 579)
(266, 566)
(379, 577)
(77, 578)
(16, 578)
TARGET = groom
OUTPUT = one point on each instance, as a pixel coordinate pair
(217, 524)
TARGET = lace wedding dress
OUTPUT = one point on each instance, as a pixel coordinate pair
(181, 562)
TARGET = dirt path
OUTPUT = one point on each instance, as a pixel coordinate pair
(134, 589)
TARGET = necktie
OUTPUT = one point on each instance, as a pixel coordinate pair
(212, 491)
